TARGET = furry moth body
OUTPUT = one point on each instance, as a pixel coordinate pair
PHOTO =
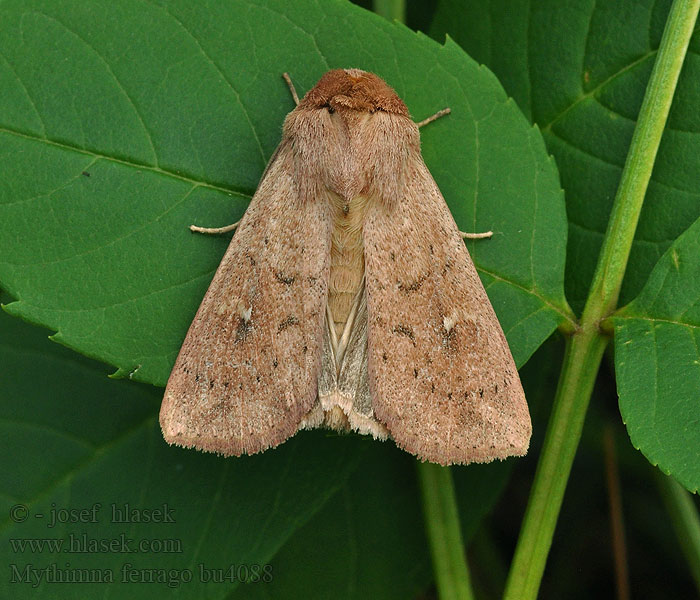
(347, 299)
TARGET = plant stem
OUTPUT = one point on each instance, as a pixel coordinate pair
(584, 352)
(391, 9)
(684, 516)
(443, 531)
(585, 348)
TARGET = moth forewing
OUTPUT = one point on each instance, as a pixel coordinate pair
(247, 372)
(347, 299)
(441, 374)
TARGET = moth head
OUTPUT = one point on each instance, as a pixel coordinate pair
(353, 89)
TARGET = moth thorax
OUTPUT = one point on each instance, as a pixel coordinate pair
(347, 257)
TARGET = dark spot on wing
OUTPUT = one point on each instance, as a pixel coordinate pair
(243, 329)
(405, 331)
(413, 286)
(449, 339)
(290, 320)
(448, 265)
(286, 279)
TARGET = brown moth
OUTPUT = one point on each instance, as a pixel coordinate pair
(347, 299)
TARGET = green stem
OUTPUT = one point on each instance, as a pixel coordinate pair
(444, 533)
(585, 348)
(391, 9)
(584, 352)
(684, 516)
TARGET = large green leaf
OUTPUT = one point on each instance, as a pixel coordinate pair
(579, 70)
(657, 362)
(369, 539)
(367, 542)
(122, 123)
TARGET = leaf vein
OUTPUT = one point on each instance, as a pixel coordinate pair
(26, 92)
(120, 86)
(220, 71)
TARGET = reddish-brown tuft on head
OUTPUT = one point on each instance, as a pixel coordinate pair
(355, 90)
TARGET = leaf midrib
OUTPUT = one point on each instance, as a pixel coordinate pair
(130, 163)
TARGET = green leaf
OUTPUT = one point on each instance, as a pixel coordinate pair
(579, 70)
(657, 362)
(350, 547)
(122, 124)
(326, 512)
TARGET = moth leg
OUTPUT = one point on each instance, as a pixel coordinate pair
(435, 117)
(292, 89)
(214, 230)
(476, 236)
(227, 228)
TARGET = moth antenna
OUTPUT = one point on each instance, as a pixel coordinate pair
(214, 230)
(292, 89)
(476, 236)
(467, 236)
(435, 117)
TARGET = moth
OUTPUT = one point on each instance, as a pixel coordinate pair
(347, 299)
